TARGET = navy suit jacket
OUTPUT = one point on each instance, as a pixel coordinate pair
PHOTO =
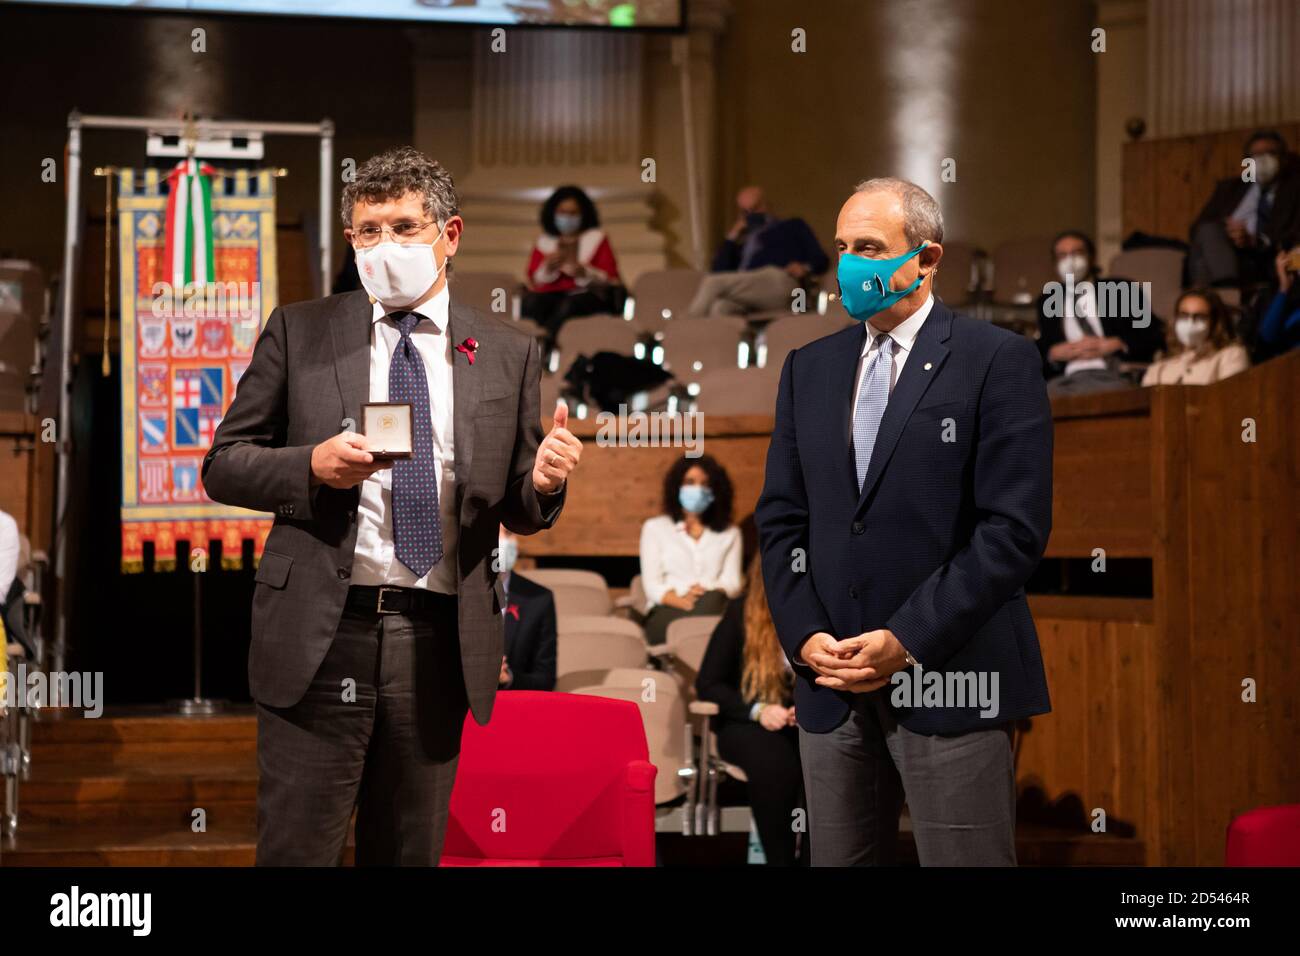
(783, 241)
(530, 634)
(940, 541)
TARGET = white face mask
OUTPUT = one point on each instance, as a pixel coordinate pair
(1191, 332)
(1075, 265)
(398, 275)
(1266, 166)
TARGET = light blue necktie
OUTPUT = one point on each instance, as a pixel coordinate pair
(873, 396)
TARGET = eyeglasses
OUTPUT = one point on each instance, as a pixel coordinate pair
(401, 232)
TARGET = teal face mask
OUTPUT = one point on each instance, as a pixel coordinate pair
(864, 283)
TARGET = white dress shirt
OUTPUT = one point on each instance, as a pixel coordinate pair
(1079, 321)
(1247, 211)
(10, 547)
(374, 561)
(671, 560)
(904, 335)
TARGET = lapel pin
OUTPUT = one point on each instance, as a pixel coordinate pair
(928, 366)
(469, 347)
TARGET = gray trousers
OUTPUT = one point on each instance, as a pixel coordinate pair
(379, 730)
(960, 791)
(767, 289)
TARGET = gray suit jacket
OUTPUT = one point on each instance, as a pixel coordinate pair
(310, 374)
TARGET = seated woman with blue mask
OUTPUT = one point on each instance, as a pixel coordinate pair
(690, 554)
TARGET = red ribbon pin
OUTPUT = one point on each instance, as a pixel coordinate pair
(469, 347)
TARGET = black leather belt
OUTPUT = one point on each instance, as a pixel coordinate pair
(389, 599)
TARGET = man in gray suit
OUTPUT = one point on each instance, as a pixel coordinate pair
(377, 609)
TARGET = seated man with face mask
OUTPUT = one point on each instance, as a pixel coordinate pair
(529, 615)
(1202, 349)
(760, 263)
(1240, 230)
(1088, 326)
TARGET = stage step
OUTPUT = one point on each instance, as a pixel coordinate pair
(134, 845)
(121, 790)
(60, 736)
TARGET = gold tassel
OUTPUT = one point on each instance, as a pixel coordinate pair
(105, 366)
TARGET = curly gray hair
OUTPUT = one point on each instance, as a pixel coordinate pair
(394, 174)
(922, 219)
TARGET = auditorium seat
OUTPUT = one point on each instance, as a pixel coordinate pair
(683, 649)
(592, 334)
(1163, 268)
(593, 645)
(793, 331)
(663, 294)
(1021, 268)
(711, 768)
(663, 712)
(1268, 836)
(494, 292)
(695, 348)
(957, 280)
(576, 592)
(529, 326)
(739, 391)
(553, 780)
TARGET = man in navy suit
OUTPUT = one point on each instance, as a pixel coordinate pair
(529, 612)
(908, 497)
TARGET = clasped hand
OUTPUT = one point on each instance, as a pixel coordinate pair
(857, 664)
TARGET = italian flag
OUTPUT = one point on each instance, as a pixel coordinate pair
(187, 250)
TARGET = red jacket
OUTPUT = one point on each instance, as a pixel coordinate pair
(594, 252)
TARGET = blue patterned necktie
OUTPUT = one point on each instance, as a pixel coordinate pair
(870, 409)
(417, 525)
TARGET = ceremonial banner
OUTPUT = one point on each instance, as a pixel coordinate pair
(198, 279)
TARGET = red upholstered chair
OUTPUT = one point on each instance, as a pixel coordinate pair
(1268, 836)
(553, 780)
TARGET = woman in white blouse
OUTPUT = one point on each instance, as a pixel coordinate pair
(690, 554)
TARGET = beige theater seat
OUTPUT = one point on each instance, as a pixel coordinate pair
(487, 291)
(663, 295)
(666, 728)
(790, 332)
(692, 349)
(591, 646)
(1021, 268)
(957, 280)
(1163, 268)
(739, 391)
(595, 333)
(686, 641)
(576, 592)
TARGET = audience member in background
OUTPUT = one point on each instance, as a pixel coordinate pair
(572, 270)
(15, 559)
(1202, 347)
(529, 612)
(690, 554)
(760, 263)
(10, 546)
(1238, 233)
(746, 673)
(1082, 348)
(1278, 328)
